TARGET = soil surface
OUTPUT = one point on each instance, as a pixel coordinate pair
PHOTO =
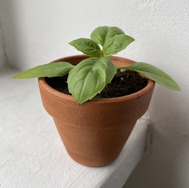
(124, 83)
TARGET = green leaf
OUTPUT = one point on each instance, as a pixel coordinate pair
(116, 44)
(87, 46)
(56, 69)
(101, 34)
(154, 74)
(89, 77)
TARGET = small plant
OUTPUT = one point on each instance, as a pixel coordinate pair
(90, 76)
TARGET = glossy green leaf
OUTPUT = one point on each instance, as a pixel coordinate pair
(87, 46)
(103, 33)
(154, 74)
(116, 44)
(56, 69)
(89, 77)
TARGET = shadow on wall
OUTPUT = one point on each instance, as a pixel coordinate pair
(3, 60)
(10, 24)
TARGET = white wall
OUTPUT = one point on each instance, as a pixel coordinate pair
(39, 31)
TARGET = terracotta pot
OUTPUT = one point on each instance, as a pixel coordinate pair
(95, 132)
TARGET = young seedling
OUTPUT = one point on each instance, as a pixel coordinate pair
(90, 76)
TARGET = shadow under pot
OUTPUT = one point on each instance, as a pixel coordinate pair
(95, 132)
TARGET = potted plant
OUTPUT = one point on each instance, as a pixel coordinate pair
(96, 98)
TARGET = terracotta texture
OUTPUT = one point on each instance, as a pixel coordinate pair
(95, 132)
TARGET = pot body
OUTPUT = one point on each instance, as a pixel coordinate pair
(95, 132)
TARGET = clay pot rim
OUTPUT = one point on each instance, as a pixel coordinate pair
(70, 98)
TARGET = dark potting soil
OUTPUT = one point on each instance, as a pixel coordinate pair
(124, 83)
